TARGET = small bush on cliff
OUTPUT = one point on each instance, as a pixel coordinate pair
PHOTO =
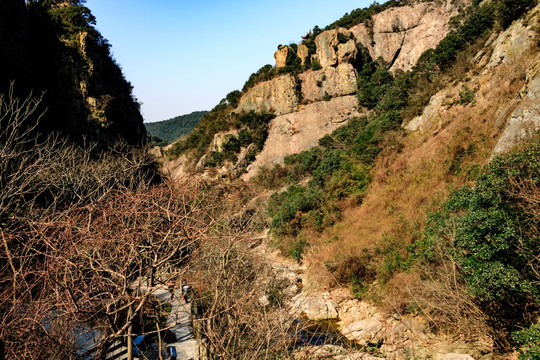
(265, 73)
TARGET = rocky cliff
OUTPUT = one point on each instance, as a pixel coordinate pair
(52, 47)
(398, 35)
(311, 89)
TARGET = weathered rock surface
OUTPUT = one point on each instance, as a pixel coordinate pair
(277, 95)
(303, 53)
(331, 81)
(281, 56)
(433, 114)
(400, 35)
(220, 138)
(524, 121)
(511, 44)
(456, 357)
(299, 131)
(318, 309)
(363, 331)
(327, 43)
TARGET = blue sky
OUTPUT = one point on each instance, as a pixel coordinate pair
(186, 55)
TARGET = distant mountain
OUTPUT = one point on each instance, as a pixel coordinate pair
(172, 129)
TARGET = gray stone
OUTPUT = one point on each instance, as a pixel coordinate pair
(453, 356)
(318, 309)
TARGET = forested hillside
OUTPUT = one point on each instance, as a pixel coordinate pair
(177, 127)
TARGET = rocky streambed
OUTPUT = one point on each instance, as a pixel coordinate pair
(334, 324)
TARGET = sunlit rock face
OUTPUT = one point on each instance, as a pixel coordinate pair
(400, 35)
(277, 96)
(295, 132)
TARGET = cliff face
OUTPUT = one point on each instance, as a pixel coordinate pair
(517, 118)
(398, 35)
(312, 88)
(55, 49)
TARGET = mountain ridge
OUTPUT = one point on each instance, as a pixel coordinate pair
(176, 127)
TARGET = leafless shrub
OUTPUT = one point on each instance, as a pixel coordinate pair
(439, 292)
(230, 316)
(78, 227)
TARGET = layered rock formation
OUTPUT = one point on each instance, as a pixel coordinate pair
(310, 104)
(295, 132)
(277, 96)
(328, 82)
(401, 35)
(398, 35)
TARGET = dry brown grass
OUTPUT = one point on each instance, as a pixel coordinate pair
(414, 177)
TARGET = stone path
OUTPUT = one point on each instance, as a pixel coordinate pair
(179, 321)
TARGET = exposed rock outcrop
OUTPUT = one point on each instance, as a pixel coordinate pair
(299, 131)
(330, 51)
(524, 121)
(277, 96)
(400, 35)
(303, 53)
(316, 309)
(281, 56)
(511, 44)
(328, 82)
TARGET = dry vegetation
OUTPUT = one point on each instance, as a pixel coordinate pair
(416, 172)
(87, 235)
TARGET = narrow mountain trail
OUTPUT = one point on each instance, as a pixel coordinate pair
(179, 324)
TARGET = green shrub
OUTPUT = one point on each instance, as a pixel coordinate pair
(296, 249)
(510, 10)
(529, 342)
(233, 98)
(466, 95)
(73, 18)
(494, 234)
(265, 73)
(290, 205)
(373, 81)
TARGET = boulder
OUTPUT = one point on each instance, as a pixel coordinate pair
(281, 56)
(318, 309)
(276, 96)
(363, 331)
(453, 356)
